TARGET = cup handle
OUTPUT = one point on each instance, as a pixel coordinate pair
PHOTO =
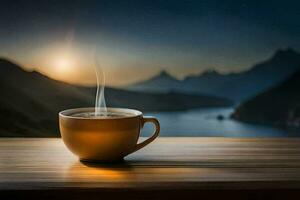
(153, 120)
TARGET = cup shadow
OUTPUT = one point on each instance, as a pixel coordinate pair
(114, 164)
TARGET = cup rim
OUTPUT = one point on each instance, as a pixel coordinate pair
(67, 113)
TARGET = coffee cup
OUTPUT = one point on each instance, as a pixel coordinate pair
(106, 138)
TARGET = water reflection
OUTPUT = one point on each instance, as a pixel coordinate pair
(204, 122)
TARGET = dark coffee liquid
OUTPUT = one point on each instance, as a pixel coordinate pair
(91, 115)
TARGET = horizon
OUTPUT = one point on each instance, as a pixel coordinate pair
(93, 84)
(136, 40)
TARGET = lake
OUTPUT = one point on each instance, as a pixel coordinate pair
(204, 122)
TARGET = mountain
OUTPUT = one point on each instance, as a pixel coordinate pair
(158, 83)
(30, 101)
(236, 86)
(279, 106)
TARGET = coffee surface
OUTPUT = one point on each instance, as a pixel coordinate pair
(91, 115)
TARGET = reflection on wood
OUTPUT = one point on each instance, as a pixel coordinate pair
(168, 163)
(47, 162)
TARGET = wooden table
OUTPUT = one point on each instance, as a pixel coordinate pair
(168, 168)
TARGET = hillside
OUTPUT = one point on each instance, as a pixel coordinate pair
(279, 106)
(236, 86)
(30, 101)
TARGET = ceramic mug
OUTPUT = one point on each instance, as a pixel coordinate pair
(104, 139)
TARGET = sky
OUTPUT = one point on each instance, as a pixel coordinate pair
(134, 40)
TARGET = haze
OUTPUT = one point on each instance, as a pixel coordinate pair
(134, 40)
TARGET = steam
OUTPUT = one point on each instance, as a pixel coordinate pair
(100, 105)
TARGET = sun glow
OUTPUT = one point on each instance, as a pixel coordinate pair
(63, 65)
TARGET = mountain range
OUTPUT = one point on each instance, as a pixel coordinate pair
(279, 106)
(235, 86)
(30, 101)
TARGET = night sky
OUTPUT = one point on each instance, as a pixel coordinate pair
(134, 40)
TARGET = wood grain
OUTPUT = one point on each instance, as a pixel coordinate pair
(167, 164)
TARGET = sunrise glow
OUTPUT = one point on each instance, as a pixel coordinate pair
(63, 65)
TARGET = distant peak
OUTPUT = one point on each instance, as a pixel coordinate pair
(206, 73)
(287, 52)
(165, 74)
(210, 72)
